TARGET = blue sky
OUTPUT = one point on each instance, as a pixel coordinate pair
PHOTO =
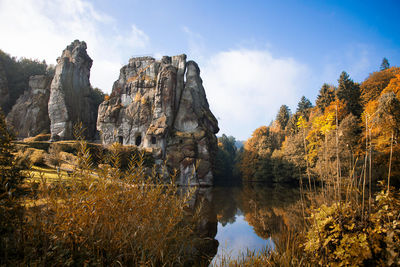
(254, 55)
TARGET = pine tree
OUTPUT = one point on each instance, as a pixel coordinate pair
(283, 116)
(349, 92)
(326, 96)
(303, 107)
(385, 64)
(11, 179)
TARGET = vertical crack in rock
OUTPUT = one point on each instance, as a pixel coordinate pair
(151, 106)
(70, 92)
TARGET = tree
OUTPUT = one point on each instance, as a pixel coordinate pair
(11, 180)
(385, 64)
(225, 160)
(283, 116)
(255, 164)
(303, 107)
(326, 96)
(349, 92)
(18, 73)
(372, 87)
(388, 115)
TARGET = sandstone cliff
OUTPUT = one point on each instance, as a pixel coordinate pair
(70, 101)
(4, 96)
(162, 106)
(29, 116)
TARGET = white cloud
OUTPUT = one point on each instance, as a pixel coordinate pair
(245, 88)
(41, 29)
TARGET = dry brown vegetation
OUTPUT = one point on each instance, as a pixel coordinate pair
(104, 216)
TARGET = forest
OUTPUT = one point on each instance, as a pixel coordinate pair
(351, 124)
(343, 153)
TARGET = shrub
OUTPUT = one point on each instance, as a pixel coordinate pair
(339, 236)
(108, 216)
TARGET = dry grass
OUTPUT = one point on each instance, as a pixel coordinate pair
(104, 216)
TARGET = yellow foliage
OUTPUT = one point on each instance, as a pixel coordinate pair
(393, 86)
(138, 97)
(338, 237)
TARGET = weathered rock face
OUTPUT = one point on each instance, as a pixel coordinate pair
(70, 101)
(153, 107)
(4, 96)
(29, 116)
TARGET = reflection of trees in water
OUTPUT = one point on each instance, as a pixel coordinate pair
(225, 204)
(271, 211)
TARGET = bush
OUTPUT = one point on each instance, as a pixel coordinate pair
(108, 217)
(339, 236)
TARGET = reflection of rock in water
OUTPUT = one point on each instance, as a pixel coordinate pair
(204, 245)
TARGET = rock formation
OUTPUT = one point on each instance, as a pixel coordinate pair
(70, 101)
(4, 96)
(29, 116)
(162, 106)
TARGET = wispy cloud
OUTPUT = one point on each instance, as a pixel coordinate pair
(245, 88)
(195, 44)
(42, 29)
(355, 59)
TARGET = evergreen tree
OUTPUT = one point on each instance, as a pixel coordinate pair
(303, 107)
(18, 73)
(11, 212)
(283, 116)
(350, 93)
(326, 96)
(385, 64)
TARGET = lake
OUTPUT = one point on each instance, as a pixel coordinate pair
(234, 219)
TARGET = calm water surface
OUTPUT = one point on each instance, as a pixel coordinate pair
(250, 217)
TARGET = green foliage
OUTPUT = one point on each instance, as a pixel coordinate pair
(304, 106)
(18, 73)
(325, 97)
(11, 212)
(97, 97)
(225, 159)
(10, 174)
(385, 64)
(283, 116)
(350, 93)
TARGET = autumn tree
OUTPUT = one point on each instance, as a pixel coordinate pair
(255, 164)
(372, 87)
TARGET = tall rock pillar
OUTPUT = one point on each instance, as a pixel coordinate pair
(70, 92)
